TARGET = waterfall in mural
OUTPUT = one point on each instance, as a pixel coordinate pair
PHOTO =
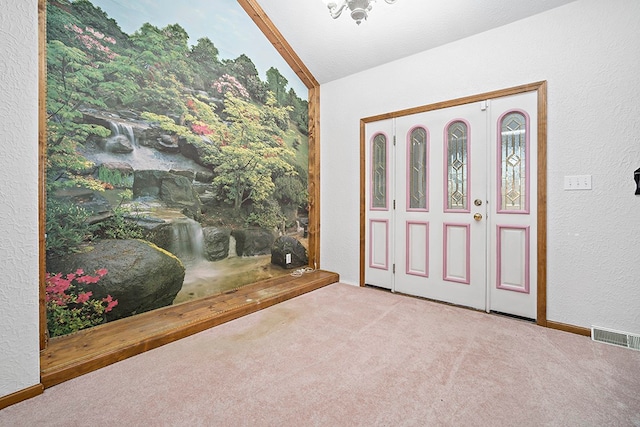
(188, 240)
(123, 146)
(232, 247)
(122, 139)
(124, 129)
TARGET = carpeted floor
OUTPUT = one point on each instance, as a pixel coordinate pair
(349, 356)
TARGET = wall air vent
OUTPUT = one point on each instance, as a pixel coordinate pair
(617, 338)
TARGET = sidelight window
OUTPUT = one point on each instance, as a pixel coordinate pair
(379, 172)
(513, 159)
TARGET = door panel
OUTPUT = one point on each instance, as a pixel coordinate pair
(379, 244)
(379, 195)
(457, 253)
(417, 250)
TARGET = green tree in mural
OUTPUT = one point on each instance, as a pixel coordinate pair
(162, 55)
(205, 63)
(291, 191)
(252, 152)
(299, 113)
(72, 81)
(277, 83)
(72, 77)
(243, 69)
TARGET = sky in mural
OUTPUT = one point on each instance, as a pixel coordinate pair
(223, 21)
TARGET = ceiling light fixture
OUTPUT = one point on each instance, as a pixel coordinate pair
(359, 8)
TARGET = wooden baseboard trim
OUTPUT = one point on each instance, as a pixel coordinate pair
(569, 328)
(85, 351)
(19, 396)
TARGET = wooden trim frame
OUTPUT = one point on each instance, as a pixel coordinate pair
(19, 396)
(541, 89)
(256, 13)
(579, 330)
(42, 160)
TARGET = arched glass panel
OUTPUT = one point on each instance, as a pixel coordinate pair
(379, 172)
(457, 166)
(418, 169)
(513, 162)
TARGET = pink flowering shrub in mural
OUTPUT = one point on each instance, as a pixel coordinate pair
(229, 84)
(94, 41)
(70, 307)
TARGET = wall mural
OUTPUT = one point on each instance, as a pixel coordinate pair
(177, 157)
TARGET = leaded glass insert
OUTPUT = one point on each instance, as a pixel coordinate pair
(513, 150)
(379, 172)
(457, 166)
(418, 169)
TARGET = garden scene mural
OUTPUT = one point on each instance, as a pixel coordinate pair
(173, 172)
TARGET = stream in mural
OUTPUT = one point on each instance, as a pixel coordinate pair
(171, 174)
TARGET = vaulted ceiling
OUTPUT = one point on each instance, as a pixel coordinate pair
(332, 49)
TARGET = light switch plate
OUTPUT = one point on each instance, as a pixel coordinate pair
(577, 182)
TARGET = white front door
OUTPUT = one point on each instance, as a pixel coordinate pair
(441, 170)
(462, 181)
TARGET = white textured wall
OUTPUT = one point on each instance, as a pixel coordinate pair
(19, 353)
(589, 52)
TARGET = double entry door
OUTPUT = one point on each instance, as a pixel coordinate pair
(450, 202)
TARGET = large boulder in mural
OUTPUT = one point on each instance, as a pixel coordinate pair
(141, 276)
(204, 176)
(253, 241)
(118, 144)
(196, 151)
(159, 232)
(174, 188)
(287, 245)
(146, 183)
(167, 143)
(216, 243)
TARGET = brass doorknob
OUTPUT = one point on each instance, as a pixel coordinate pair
(477, 216)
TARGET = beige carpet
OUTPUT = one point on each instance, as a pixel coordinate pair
(348, 356)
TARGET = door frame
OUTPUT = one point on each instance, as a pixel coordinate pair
(541, 89)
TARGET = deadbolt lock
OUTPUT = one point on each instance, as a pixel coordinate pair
(477, 202)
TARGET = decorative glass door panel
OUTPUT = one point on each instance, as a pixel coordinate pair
(417, 151)
(379, 172)
(457, 166)
(514, 163)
